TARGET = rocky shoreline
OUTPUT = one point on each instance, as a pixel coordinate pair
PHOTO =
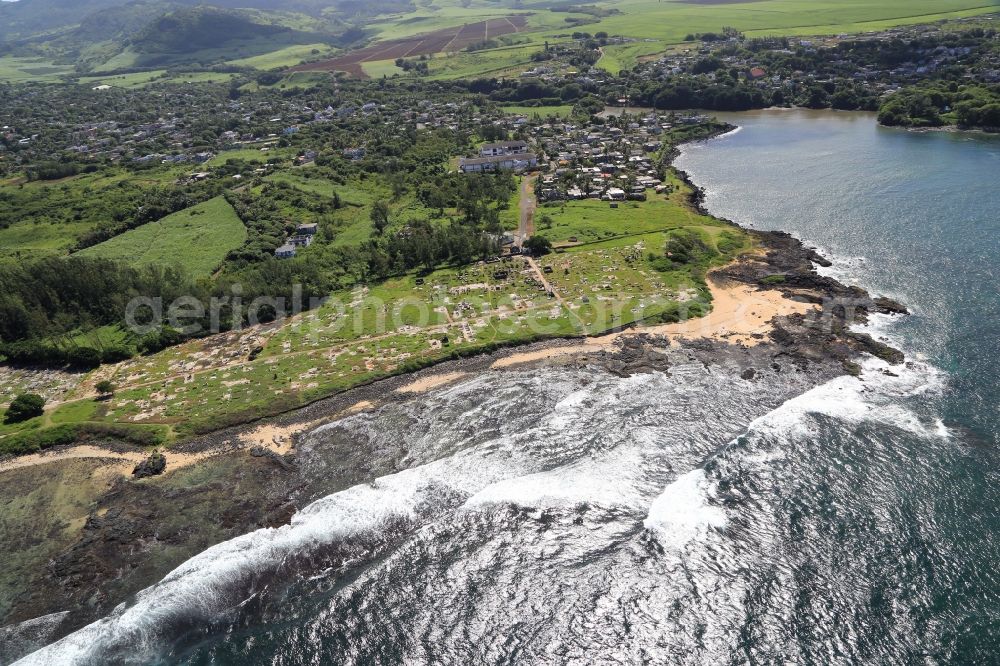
(136, 531)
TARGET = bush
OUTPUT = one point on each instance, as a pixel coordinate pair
(66, 434)
(538, 245)
(83, 357)
(687, 247)
(25, 406)
(105, 387)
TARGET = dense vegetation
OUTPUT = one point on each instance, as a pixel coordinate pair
(936, 104)
(23, 407)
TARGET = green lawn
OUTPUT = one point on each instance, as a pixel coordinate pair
(195, 239)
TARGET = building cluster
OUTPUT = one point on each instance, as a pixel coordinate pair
(505, 155)
(303, 237)
(829, 63)
(614, 161)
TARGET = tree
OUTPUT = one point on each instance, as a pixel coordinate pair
(105, 388)
(538, 245)
(25, 406)
(380, 216)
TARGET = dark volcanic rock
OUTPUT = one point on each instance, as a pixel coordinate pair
(151, 466)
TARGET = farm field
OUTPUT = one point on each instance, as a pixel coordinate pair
(19, 70)
(438, 41)
(672, 20)
(617, 57)
(286, 57)
(195, 239)
(133, 80)
(449, 29)
(493, 62)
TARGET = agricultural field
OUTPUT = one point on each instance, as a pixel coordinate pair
(449, 29)
(439, 41)
(19, 70)
(494, 62)
(286, 57)
(672, 20)
(195, 239)
(617, 57)
(133, 80)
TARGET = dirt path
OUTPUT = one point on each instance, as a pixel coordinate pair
(527, 206)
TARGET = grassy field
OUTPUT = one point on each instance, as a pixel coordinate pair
(671, 21)
(134, 80)
(563, 111)
(494, 62)
(626, 56)
(591, 220)
(286, 57)
(377, 69)
(20, 70)
(48, 221)
(195, 239)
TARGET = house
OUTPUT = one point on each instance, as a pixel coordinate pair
(615, 194)
(503, 148)
(516, 162)
(286, 251)
(300, 241)
(307, 229)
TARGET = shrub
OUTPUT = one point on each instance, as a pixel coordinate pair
(538, 245)
(105, 387)
(25, 406)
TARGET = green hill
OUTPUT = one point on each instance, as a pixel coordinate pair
(200, 28)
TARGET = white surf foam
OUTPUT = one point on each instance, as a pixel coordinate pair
(683, 511)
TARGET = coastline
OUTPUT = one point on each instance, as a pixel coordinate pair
(802, 320)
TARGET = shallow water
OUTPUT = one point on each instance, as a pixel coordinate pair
(569, 515)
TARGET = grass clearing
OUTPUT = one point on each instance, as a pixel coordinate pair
(195, 239)
(562, 111)
(592, 220)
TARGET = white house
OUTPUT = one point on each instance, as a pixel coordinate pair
(516, 162)
(503, 148)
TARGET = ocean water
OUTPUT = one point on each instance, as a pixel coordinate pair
(571, 516)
